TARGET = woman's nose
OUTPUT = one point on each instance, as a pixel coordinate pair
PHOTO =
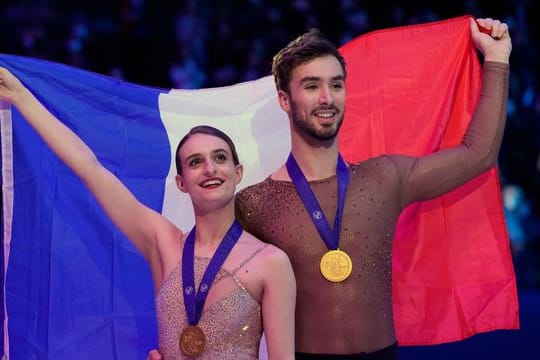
(209, 167)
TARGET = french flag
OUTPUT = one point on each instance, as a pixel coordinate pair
(75, 288)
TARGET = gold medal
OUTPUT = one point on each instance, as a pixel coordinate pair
(192, 341)
(336, 265)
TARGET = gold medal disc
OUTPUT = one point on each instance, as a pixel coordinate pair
(192, 341)
(336, 265)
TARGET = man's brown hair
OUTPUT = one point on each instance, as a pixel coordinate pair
(301, 50)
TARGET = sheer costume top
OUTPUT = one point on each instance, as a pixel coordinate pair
(355, 316)
(232, 323)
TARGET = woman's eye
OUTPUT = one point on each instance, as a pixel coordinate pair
(194, 162)
(221, 157)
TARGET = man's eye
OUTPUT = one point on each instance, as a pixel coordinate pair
(194, 162)
(337, 86)
(311, 87)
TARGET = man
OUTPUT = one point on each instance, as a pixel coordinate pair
(337, 221)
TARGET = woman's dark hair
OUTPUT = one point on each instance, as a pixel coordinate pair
(207, 130)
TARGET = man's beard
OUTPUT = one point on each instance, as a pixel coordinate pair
(308, 128)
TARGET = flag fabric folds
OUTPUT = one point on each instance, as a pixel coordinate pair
(74, 287)
(412, 91)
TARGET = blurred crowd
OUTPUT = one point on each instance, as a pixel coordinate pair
(202, 43)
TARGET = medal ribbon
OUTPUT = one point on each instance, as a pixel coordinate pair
(331, 238)
(194, 301)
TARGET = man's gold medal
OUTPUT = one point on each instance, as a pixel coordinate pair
(336, 265)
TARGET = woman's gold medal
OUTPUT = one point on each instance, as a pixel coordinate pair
(192, 341)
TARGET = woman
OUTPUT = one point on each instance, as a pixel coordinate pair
(210, 304)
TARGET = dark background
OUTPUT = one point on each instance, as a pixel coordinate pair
(199, 44)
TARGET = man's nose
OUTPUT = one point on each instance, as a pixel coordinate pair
(325, 96)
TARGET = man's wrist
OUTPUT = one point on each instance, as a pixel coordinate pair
(501, 58)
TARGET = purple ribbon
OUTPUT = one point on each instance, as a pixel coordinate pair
(331, 238)
(194, 301)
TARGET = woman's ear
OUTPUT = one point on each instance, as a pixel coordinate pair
(180, 183)
(239, 169)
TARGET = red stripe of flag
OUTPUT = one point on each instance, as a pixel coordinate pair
(412, 90)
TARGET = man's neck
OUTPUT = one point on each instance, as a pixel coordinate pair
(316, 162)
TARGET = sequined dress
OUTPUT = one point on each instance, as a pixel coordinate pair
(232, 323)
(356, 315)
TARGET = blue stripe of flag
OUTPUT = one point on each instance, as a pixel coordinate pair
(75, 287)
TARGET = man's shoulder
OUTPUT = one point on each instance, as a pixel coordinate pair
(262, 192)
(254, 190)
(265, 185)
(250, 204)
(373, 162)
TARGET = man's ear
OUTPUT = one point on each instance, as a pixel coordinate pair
(180, 183)
(284, 100)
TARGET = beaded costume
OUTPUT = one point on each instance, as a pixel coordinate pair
(355, 316)
(232, 324)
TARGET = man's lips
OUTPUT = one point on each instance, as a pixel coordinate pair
(326, 113)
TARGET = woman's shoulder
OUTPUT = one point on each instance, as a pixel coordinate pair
(169, 245)
(266, 252)
(169, 239)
